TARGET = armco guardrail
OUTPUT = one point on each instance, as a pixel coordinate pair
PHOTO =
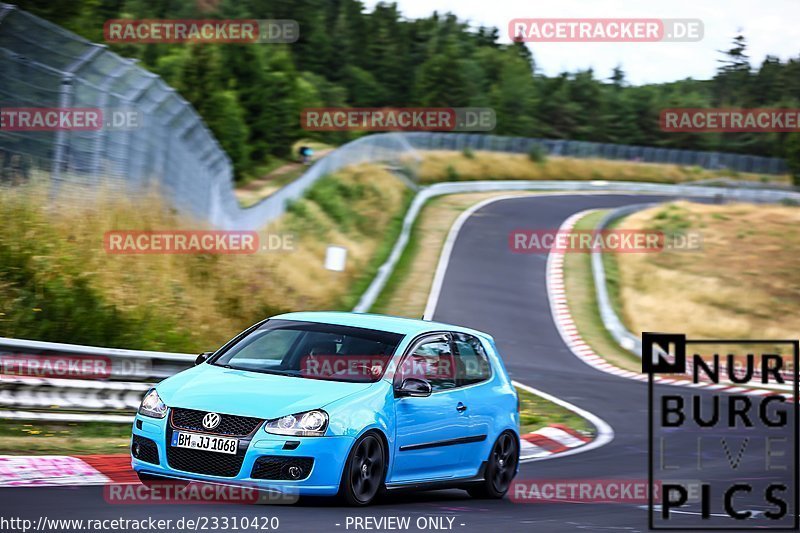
(40, 393)
(611, 320)
(115, 398)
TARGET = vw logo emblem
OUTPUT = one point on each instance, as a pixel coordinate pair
(211, 420)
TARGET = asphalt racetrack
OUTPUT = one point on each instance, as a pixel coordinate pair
(489, 288)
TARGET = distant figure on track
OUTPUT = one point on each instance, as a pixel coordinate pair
(305, 154)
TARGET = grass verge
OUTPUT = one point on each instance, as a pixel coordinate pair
(68, 438)
(536, 413)
(456, 166)
(582, 301)
(726, 289)
(57, 283)
(742, 283)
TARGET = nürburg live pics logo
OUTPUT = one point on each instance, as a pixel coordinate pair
(723, 450)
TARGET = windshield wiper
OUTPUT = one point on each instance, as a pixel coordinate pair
(258, 370)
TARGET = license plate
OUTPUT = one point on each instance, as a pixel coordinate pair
(195, 441)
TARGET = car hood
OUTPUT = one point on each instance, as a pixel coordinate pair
(239, 392)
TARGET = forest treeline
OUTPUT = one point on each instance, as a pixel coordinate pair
(251, 96)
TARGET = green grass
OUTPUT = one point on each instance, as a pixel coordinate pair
(64, 438)
(443, 165)
(392, 232)
(611, 267)
(404, 265)
(582, 300)
(536, 413)
(52, 298)
(263, 169)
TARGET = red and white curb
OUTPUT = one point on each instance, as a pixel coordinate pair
(60, 470)
(556, 292)
(549, 440)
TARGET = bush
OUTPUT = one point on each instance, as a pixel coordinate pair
(537, 154)
(793, 157)
(451, 174)
(468, 152)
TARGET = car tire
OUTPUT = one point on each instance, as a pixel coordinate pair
(364, 471)
(501, 467)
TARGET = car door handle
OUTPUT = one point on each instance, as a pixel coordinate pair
(461, 407)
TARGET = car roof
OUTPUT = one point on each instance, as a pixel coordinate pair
(393, 324)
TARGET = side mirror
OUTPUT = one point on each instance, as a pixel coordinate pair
(415, 387)
(202, 358)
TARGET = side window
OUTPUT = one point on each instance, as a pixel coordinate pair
(472, 364)
(432, 361)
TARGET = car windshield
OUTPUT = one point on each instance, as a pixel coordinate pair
(313, 350)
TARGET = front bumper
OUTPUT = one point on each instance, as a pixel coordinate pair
(329, 455)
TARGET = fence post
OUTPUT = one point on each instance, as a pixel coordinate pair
(65, 95)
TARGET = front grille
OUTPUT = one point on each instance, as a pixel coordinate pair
(144, 449)
(278, 467)
(230, 425)
(203, 462)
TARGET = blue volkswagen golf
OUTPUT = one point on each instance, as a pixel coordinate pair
(337, 404)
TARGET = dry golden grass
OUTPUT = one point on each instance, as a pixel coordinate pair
(743, 284)
(183, 302)
(455, 166)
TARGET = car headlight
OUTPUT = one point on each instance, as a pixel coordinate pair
(308, 424)
(152, 405)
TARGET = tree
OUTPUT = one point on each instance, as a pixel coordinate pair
(225, 117)
(514, 97)
(732, 79)
(619, 117)
(202, 84)
(281, 112)
(446, 79)
(362, 87)
(793, 156)
(586, 92)
(350, 56)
